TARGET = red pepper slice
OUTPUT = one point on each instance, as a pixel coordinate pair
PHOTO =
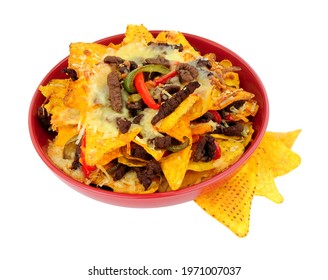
(86, 169)
(216, 115)
(217, 153)
(164, 78)
(141, 87)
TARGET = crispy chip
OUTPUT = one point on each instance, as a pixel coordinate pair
(231, 151)
(173, 119)
(176, 38)
(174, 167)
(275, 159)
(83, 56)
(231, 202)
(137, 33)
(288, 138)
(65, 133)
(99, 145)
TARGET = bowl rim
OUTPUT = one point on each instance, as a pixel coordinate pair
(184, 191)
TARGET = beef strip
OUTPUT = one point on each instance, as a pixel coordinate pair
(171, 104)
(120, 171)
(162, 142)
(44, 117)
(111, 59)
(158, 60)
(135, 107)
(123, 125)
(186, 72)
(71, 73)
(234, 129)
(115, 95)
(205, 118)
(205, 149)
(123, 66)
(139, 152)
(204, 63)
(178, 47)
(148, 173)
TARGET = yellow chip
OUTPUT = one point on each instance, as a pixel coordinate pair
(282, 159)
(98, 146)
(174, 167)
(288, 138)
(83, 57)
(176, 38)
(231, 151)
(137, 33)
(231, 202)
(173, 119)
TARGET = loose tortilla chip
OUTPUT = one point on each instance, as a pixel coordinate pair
(275, 159)
(231, 202)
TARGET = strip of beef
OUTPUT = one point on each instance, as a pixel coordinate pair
(137, 118)
(205, 118)
(162, 142)
(148, 173)
(171, 104)
(111, 59)
(115, 95)
(135, 107)
(204, 63)
(234, 129)
(120, 171)
(123, 66)
(158, 60)
(123, 125)
(44, 117)
(178, 47)
(205, 149)
(186, 72)
(71, 73)
(139, 152)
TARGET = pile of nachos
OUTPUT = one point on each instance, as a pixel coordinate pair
(150, 114)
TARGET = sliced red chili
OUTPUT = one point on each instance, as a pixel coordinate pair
(86, 169)
(165, 78)
(142, 89)
(217, 153)
(216, 115)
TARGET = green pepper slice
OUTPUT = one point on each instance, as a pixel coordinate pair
(179, 147)
(129, 79)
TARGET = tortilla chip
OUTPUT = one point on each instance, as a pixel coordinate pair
(83, 56)
(174, 167)
(170, 122)
(275, 159)
(177, 38)
(137, 33)
(231, 202)
(288, 138)
(231, 151)
(98, 146)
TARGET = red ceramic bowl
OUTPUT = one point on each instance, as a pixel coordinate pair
(249, 81)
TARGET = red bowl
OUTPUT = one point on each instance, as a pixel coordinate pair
(250, 81)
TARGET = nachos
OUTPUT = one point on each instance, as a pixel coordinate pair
(150, 114)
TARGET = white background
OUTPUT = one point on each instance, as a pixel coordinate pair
(49, 231)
